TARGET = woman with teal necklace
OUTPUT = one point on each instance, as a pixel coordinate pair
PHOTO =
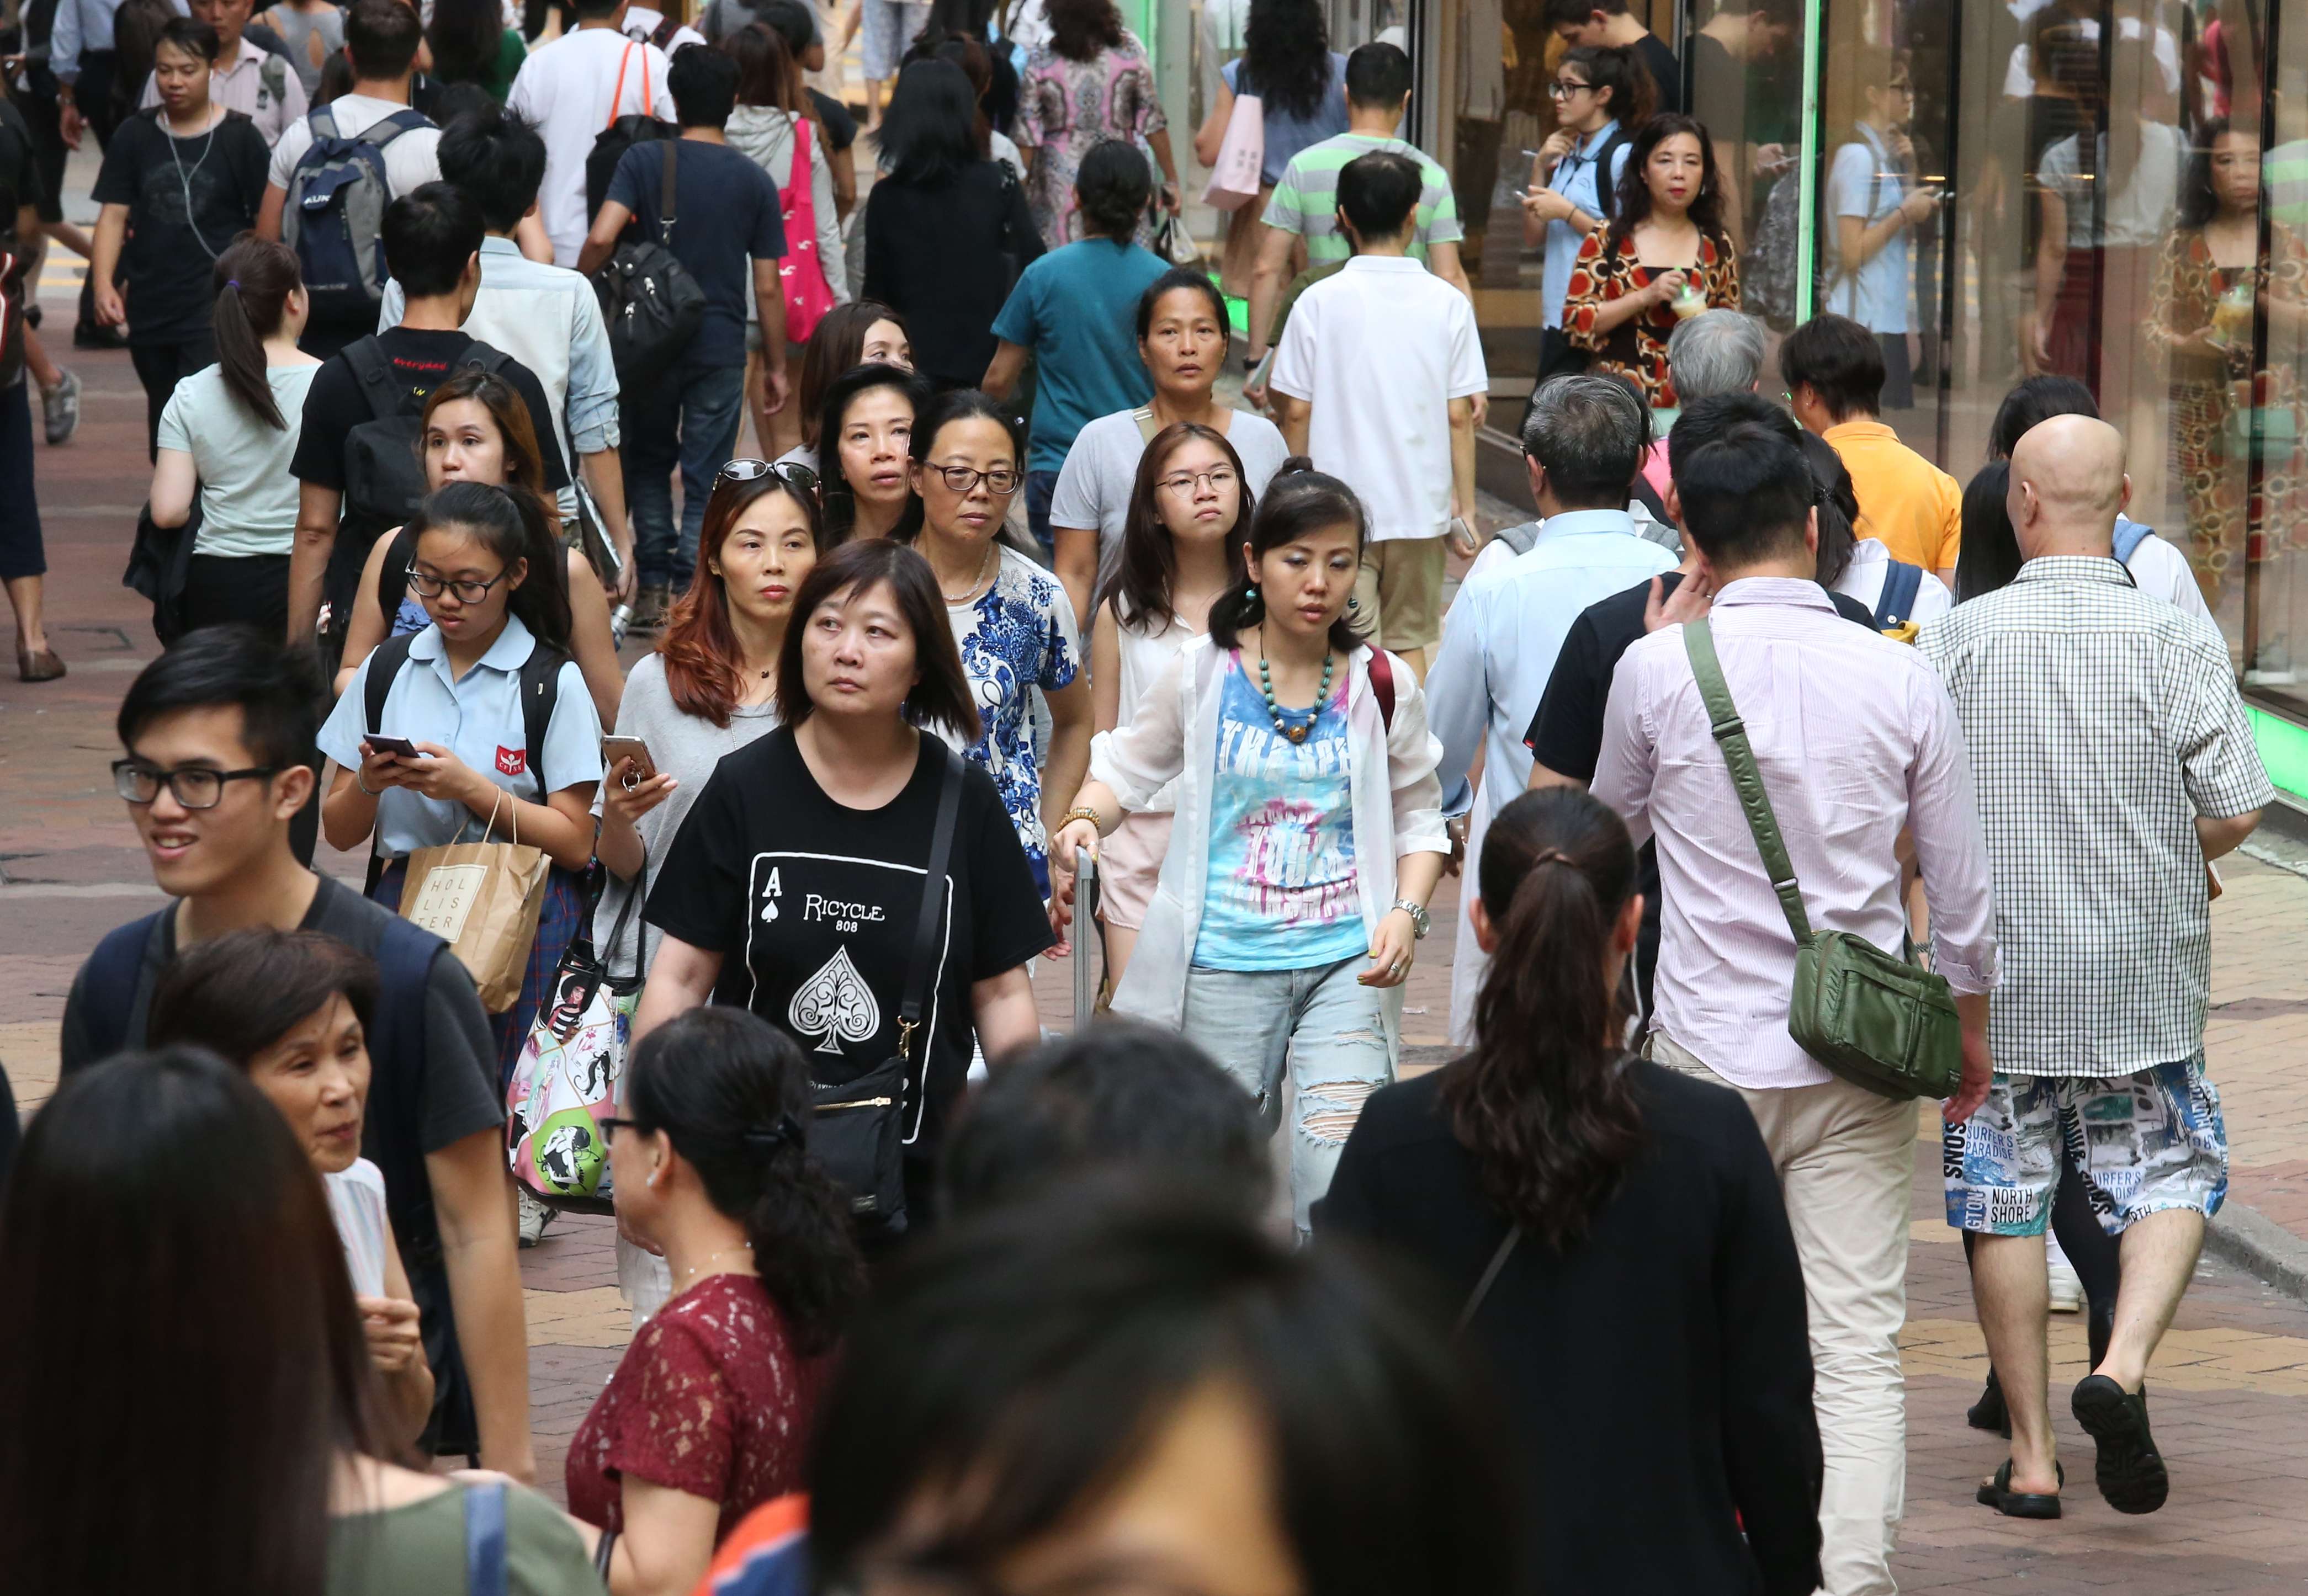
(1308, 831)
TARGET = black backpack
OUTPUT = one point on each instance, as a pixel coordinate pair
(1606, 193)
(650, 303)
(609, 147)
(540, 689)
(385, 471)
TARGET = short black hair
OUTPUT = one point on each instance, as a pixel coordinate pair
(498, 158)
(1710, 420)
(791, 21)
(1378, 75)
(1575, 12)
(1119, 1093)
(1113, 184)
(1841, 361)
(195, 38)
(277, 689)
(1745, 497)
(1379, 193)
(1039, 1351)
(381, 38)
(587, 10)
(704, 87)
(429, 234)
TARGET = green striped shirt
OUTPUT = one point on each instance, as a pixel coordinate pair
(1306, 200)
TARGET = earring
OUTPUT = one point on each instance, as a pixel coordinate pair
(1250, 591)
(651, 1181)
(1353, 603)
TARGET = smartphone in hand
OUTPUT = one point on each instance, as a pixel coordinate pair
(401, 746)
(613, 748)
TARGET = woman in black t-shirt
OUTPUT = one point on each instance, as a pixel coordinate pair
(795, 886)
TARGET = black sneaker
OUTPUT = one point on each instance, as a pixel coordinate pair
(89, 335)
(2131, 1471)
(1989, 1411)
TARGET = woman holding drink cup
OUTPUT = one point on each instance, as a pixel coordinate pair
(1662, 258)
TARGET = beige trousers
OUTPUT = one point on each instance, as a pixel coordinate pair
(1846, 1161)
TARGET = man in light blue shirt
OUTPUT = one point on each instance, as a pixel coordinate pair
(545, 316)
(1583, 442)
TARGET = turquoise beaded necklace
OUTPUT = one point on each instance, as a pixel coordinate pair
(1297, 732)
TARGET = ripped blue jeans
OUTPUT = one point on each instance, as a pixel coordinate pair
(1337, 1037)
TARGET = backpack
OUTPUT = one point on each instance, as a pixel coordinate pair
(334, 215)
(1895, 606)
(650, 303)
(540, 691)
(384, 481)
(1606, 193)
(620, 134)
(2129, 536)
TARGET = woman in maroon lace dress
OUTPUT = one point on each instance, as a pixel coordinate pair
(709, 1415)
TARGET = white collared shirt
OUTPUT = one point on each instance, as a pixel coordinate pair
(273, 99)
(478, 719)
(1870, 568)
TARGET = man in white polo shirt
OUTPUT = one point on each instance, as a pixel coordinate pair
(1376, 380)
(261, 86)
(571, 89)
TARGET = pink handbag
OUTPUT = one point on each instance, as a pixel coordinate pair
(801, 273)
(1233, 179)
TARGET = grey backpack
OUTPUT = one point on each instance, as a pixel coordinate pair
(334, 218)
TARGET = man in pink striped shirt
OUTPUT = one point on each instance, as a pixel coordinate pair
(1857, 743)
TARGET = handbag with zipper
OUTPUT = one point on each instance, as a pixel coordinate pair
(859, 1136)
(1873, 1018)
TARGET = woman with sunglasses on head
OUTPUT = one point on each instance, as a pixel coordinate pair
(476, 554)
(711, 1408)
(1190, 515)
(1182, 338)
(1013, 623)
(1309, 831)
(795, 888)
(863, 332)
(865, 441)
(476, 428)
(709, 691)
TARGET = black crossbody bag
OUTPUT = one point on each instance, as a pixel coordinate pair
(859, 1136)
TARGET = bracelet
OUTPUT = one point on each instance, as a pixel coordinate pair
(363, 785)
(1083, 812)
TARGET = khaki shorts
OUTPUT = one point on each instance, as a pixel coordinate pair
(1400, 592)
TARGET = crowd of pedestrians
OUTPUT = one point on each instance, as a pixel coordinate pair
(446, 396)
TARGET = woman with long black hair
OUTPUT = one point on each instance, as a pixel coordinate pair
(947, 231)
(1300, 81)
(1092, 84)
(1615, 1233)
(711, 1408)
(1308, 833)
(865, 444)
(1661, 259)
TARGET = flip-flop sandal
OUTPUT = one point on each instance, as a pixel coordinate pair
(1998, 1494)
(2130, 1473)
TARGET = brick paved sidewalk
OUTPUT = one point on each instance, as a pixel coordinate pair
(2232, 1383)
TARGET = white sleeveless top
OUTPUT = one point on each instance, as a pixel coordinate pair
(1143, 658)
(357, 1203)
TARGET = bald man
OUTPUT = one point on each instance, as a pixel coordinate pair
(2113, 761)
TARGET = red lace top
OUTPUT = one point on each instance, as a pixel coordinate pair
(709, 1399)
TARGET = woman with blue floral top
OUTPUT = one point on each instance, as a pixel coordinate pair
(1013, 621)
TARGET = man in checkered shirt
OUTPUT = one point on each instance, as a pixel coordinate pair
(2113, 760)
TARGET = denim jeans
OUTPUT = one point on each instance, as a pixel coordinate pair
(1041, 488)
(689, 419)
(1337, 1036)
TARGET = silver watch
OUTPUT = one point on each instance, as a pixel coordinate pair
(1421, 922)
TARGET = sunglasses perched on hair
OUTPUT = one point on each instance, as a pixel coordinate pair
(799, 477)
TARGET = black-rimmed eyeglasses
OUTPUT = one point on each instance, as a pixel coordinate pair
(193, 786)
(466, 590)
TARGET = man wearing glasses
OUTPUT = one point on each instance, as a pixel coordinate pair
(215, 733)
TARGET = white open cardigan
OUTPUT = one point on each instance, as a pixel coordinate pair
(1173, 736)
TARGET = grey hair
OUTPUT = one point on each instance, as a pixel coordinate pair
(1716, 351)
(1589, 432)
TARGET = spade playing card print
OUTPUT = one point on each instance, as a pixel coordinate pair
(826, 946)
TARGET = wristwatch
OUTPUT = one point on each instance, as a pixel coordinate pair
(1421, 922)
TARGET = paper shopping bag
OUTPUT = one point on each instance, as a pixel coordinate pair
(483, 899)
(1233, 179)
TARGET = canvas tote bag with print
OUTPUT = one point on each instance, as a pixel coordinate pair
(483, 899)
(571, 1068)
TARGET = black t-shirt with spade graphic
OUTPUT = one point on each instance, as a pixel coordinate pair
(813, 904)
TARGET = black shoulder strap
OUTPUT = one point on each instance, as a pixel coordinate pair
(108, 982)
(1606, 193)
(917, 964)
(1490, 1278)
(661, 35)
(668, 192)
(383, 665)
(488, 356)
(392, 581)
(374, 373)
(540, 691)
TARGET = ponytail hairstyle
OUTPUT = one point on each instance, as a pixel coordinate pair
(253, 279)
(1543, 1101)
(732, 1094)
(1147, 572)
(1299, 500)
(700, 647)
(513, 526)
(1634, 95)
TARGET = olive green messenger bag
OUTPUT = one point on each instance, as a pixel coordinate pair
(1878, 1020)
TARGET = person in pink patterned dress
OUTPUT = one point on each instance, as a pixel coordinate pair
(1092, 82)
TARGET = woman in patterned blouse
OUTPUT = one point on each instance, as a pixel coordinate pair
(709, 1412)
(1662, 259)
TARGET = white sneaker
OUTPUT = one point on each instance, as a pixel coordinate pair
(534, 1217)
(2067, 1285)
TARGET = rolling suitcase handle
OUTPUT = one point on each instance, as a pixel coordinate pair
(1085, 937)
